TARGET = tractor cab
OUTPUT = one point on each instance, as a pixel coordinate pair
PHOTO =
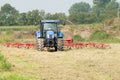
(49, 26)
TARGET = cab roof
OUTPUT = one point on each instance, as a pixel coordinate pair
(49, 21)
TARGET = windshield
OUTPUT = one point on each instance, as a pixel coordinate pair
(50, 26)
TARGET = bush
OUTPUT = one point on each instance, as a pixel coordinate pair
(14, 77)
(4, 65)
(103, 36)
(77, 38)
(98, 35)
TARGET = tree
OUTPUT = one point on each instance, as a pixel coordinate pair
(101, 3)
(111, 9)
(79, 7)
(83, 18)
(105, 9)
(99, 6)
(80, 13)
(23, 19)
(58, 16)
(34, 16)
(9, 15)
(112, 5)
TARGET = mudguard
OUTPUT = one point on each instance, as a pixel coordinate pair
(60, 34)
(38, 34)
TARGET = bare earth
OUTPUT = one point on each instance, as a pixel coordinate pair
(77, 64)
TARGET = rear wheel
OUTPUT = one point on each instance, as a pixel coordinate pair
(40, 44)
(60, 44)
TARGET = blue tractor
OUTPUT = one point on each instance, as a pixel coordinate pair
(49, 35)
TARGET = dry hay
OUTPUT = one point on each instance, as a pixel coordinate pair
(76, 64)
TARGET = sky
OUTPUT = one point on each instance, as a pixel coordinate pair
(50, 6)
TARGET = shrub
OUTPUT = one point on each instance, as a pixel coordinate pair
(98, 35)
(77, 38)
(103, 36)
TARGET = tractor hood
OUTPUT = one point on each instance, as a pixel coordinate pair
(50, 34)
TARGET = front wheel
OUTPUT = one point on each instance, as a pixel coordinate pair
(60, 44)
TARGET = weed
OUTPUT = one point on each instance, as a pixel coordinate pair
(14, 77)
(4, 65)
(1, 57)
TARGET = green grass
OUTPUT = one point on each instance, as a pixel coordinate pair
(7, 33)
(95, 25)
(4, 65)
(14, 76)
(17, 28)
(6, 37)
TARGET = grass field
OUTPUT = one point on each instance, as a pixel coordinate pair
(77, 64)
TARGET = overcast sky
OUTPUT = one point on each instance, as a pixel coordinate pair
(51, 6)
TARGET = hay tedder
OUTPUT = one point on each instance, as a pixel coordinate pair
(70, 45)
(67, 44)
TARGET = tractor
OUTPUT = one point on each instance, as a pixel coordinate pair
(49, 35)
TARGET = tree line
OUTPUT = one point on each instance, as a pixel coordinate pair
(79, 13)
